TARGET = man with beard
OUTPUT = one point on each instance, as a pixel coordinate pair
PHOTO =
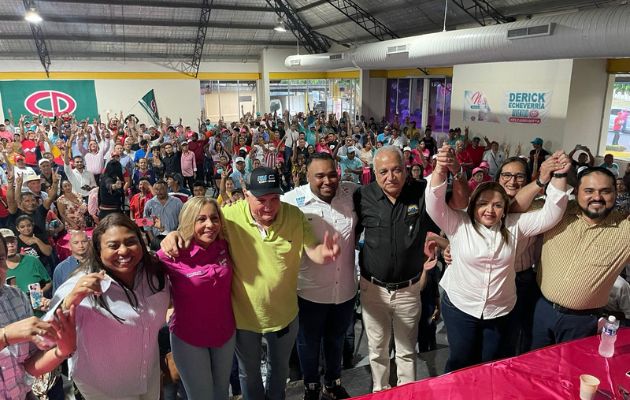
(581, 258)
(326, 293)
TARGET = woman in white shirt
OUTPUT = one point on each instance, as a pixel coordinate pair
(121, 296)
(479, 285)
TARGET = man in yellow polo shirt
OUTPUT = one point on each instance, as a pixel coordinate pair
(267, 239)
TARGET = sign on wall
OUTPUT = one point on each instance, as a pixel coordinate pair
(527, 107)
(49, 98)
(477, 108)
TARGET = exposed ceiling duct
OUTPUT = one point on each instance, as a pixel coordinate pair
(598, 33)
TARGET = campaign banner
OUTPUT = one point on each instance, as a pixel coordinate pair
(49, 98)
(477, 107)
(527, 107)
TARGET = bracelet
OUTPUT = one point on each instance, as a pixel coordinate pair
(563, 175)
(539, 183)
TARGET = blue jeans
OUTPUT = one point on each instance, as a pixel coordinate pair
(248, 353)
(472, 340)
(322, 322)
(205, 371)
(527, 293)
(552, 326)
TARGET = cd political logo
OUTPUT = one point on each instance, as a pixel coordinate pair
(50, 103)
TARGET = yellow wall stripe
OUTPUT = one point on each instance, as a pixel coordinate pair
(314, 75)
(618, 65)
(131, 75)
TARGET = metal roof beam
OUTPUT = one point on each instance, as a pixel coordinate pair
(125, 55)
(306, 36)
(192, 68)
(99, 20)
(145, 39)
(364, 19)
(165, 4)
(481, 11)
(38, 37)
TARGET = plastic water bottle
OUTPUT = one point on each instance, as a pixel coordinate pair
(609, 335)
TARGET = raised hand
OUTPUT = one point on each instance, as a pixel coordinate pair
(330, 246)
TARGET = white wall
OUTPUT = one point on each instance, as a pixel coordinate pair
(373, 92)
(174, 98)
(589, 84)
(497, 78)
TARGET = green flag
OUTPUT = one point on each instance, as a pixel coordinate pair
(49, 98)
(150, 106)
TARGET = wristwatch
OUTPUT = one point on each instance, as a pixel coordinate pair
(563, 175)
(539, 183)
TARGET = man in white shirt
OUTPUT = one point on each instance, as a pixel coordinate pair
(82, 180)
(397, 139)
(326, 293)
(495, 159)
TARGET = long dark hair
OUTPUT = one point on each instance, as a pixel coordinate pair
(113, 170)
(150, 266)
(489, 187)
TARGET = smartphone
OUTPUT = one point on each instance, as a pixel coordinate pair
(11, 281)
(35, 293)
(142, 222)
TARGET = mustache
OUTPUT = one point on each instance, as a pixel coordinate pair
(597, 202)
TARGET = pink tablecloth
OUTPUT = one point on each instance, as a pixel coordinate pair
(549, 373)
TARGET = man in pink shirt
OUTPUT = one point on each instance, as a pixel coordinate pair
(197, 144)
(188, 164)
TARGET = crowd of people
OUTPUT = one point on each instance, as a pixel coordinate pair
(146, 261)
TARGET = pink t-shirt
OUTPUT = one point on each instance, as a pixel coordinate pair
(189, 166)
(201, 283)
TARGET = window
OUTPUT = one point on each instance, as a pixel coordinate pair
(228, 100)
(618, 132)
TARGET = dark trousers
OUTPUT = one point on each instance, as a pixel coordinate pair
(189, 181)
(472, 340)
(552, 326)
(522, 316)
(325, 323)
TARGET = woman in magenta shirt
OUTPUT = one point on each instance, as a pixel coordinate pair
(202, 326)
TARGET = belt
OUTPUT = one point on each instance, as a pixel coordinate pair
(391, 286)
(564, 310)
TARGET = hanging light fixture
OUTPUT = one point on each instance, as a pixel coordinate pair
(280, 26)
(32, 16)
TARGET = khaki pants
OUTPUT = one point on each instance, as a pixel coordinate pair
(382, 311)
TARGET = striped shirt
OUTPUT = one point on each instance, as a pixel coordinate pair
(14, 381)
(580, 262)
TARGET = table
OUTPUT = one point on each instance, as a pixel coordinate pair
(549, 373)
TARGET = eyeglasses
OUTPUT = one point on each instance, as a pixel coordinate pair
(507, 176)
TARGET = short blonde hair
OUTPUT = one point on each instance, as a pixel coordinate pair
(189, 213)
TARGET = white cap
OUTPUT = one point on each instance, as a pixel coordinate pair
(407, 148)
(352, 149)
(239, 159)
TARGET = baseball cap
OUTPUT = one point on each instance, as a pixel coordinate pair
(7, 233)
(407, 148)
(484, 164)
(243, 149)
(352, 149)
(537, 141)
(43, 160)
(264, 181)
(239, 159)
(477, 170)
(19, 157)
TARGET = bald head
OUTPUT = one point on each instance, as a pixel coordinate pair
(390, 171)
